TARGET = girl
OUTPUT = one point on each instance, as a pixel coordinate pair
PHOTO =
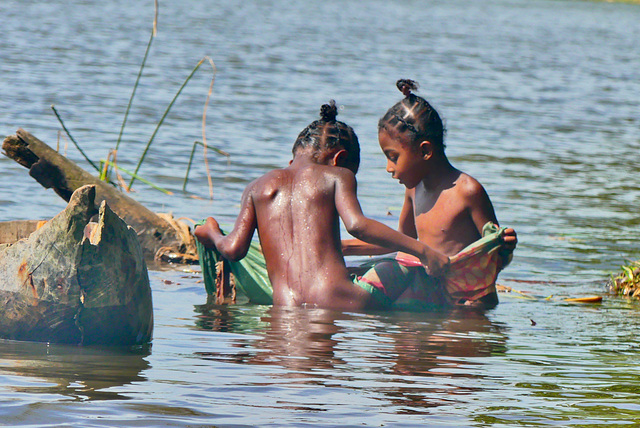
(443, 207)
(297, 210)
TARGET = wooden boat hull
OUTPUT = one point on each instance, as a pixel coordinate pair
(77, 282)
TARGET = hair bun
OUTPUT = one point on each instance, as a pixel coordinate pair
(406, 86)
(328, 112)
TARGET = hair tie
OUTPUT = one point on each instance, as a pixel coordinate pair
(328, 112)
(406, 86)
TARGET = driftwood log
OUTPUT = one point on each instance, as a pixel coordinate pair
(72, 281)
(160, 236)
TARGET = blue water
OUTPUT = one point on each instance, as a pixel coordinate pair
(541, 101)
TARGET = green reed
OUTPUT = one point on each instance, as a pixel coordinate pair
(164, 116)
(103, 170)
(193, 150)
(119, 168)
(154, 32)
(73, 139)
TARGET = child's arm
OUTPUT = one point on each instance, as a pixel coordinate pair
(379, 234)
(235, 245)
(357, 247)
(406, 225)
(482, 211)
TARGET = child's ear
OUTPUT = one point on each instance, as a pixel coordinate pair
(426, 149)
(339, 158)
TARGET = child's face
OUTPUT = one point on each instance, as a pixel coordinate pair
(404, 163)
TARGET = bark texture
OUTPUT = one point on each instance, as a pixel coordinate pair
(72, 281)
(54, 171)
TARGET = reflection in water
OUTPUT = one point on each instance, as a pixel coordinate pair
(541, 101)
(443, 347)
(296, 339)
(442, 339)
(82, 373)
(412, 359)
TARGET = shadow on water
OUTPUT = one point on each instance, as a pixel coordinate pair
(413, 360)
(81, 373)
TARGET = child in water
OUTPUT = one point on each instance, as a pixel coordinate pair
(443, 207)
(296, 211)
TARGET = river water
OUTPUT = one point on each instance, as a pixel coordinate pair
(541, 101)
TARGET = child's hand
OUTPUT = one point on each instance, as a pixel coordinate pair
(213, 224)
(205, 233)
(436, 263)
(510, 239)
(509, 242)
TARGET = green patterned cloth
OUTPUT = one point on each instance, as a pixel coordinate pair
(472, 275)
(250, 273)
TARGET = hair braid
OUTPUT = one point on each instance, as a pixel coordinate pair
(328, 133)
(415, 116)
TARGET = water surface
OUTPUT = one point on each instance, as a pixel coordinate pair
(541, 104)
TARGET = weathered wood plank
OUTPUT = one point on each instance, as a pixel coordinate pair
(11, 231)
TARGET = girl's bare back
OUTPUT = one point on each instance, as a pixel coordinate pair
(300, 236)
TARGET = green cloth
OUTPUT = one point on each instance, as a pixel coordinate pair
(250, 273)
(252, 279)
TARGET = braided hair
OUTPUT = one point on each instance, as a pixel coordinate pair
(415, 117)
(328, 133)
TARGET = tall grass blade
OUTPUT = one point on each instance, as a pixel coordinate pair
(186, 176)
(193, 150)
(146, 149)
(119, 168)
(104, 166)
(204, 121)
(135, 86)
(72, 139)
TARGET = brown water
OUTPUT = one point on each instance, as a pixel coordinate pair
(541, 100)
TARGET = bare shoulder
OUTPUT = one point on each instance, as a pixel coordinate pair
(342, 178)
(470, 189)
(342, 173)
(476, 200)
(269, 182)
(329, 174)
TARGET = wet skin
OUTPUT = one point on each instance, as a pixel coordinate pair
(296, 211)
(443, 207)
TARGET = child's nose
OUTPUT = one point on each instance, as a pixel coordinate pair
(390, 168)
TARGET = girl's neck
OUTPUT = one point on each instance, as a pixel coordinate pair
(439, 172)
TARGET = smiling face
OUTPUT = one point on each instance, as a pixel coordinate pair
(405, 163)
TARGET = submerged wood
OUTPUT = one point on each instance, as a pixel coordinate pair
(157, 235)
(76, 282)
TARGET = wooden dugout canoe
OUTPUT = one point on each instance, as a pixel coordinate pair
(73, 281)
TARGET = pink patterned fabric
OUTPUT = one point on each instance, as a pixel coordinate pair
(474, 270)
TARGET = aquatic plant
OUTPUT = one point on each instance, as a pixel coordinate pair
(168, 109)
(106, 165)
(627, 282)
(193, 150)
(73, 139)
